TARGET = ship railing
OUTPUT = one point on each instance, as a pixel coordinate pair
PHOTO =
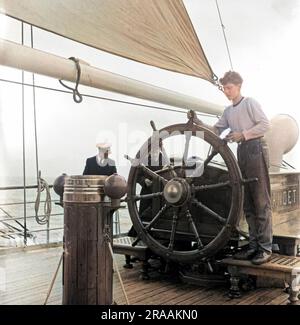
(19, 228)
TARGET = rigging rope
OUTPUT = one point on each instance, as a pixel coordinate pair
(116, 268)
(41, 183)
(224, 34)
(105, 98)
(53, 279)
(34, 115)
(23, 144)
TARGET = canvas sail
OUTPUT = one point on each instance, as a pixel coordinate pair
(154, 32)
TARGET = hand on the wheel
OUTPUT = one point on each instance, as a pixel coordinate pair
(192, 115)
(148, 182)
(235, 137)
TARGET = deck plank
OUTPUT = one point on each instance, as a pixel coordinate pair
(29, 273)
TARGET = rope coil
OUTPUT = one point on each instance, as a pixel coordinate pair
(43, 185)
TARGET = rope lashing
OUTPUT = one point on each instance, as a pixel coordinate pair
(77, 97)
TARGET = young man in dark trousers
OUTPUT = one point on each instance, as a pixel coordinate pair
(248, 124)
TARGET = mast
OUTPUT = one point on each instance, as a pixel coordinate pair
(36, 61)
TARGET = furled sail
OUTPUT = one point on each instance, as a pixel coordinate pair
(154, 32)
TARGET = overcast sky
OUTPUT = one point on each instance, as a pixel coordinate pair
(263, 37)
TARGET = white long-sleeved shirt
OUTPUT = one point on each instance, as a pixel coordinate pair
(246, 117)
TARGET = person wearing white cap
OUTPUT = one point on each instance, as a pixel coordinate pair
(100, 164)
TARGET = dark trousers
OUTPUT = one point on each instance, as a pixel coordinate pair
(253, 160)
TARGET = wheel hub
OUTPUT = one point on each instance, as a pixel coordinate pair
(177, 192)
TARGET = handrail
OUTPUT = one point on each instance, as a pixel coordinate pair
(30, 231)
(14, 231)
(29, 217)
(9, 232)
(5, 188)
(20, 203)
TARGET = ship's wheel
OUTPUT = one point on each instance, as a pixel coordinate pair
(185, 212)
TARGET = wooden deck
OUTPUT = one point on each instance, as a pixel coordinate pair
(28, 275)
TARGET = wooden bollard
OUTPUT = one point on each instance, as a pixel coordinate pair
(87, 262)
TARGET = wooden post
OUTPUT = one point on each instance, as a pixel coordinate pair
(87, 263)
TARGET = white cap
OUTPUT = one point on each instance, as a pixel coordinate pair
(104, 146)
